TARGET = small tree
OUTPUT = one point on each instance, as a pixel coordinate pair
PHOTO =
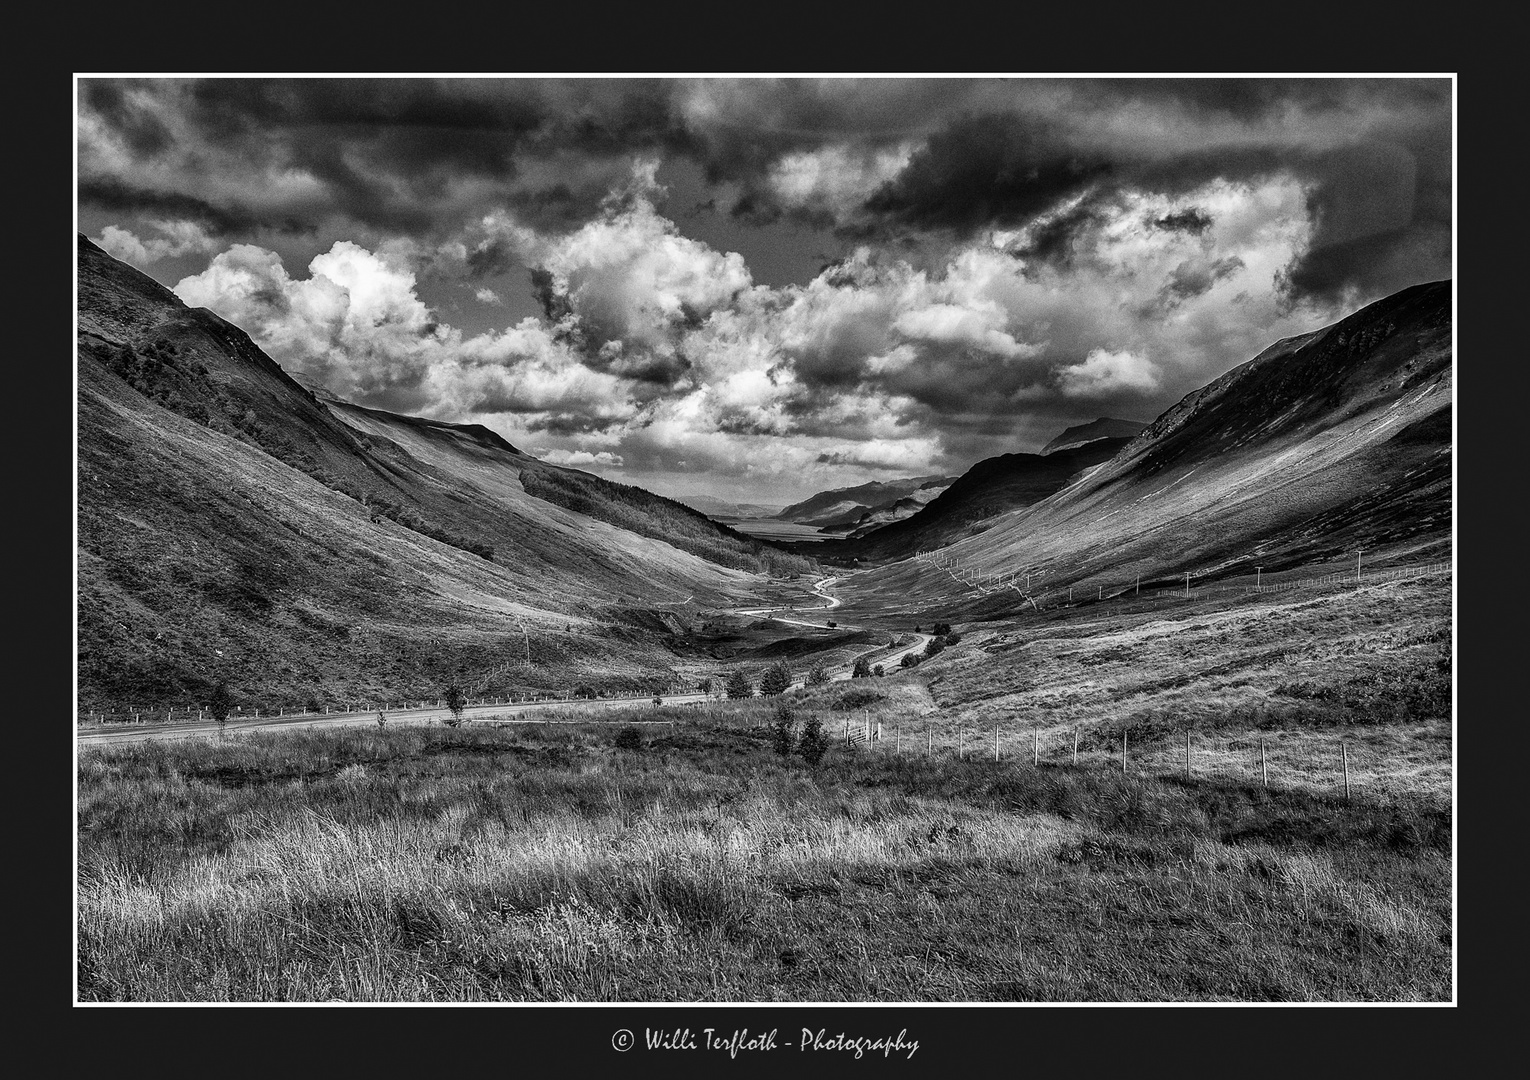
(739, 685)
(879, 671)
(862, 668)
(707, 685)
(909, 660)
(782, 732)
(934, 646)
(456, 703)
(220, 705)
(818, 676)
(382, 719)
(813, 744)
(777, 679)
(941, 629)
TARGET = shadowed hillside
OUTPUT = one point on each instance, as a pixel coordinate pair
(990, 488)
(233, 524)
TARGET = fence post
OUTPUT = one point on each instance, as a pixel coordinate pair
(1344, 754)
(1123, 751)
(1187, 753)
(1075, 744)
(1263, 768)
(996, 740)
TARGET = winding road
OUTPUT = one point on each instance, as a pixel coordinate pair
(408, 717)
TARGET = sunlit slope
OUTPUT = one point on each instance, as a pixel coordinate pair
(233, 524)
(1324, 443)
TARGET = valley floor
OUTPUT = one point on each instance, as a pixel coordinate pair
(691, 861)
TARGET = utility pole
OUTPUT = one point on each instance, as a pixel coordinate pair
(1258, 576)
(1187, 584)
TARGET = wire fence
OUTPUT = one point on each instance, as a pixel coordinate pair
(1314, 761)
(987, 583)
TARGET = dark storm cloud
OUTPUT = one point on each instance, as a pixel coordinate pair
(1194, 221)
(424, 156)
(986, 171)
(1053, 241)
(388, 153)
(1193, 278)
(219, 220)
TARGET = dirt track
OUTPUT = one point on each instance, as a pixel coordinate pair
(209, 728)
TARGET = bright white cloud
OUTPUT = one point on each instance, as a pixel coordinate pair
(180, 238)
(1104, 373)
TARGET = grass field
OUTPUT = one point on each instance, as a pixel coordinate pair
(546, 863)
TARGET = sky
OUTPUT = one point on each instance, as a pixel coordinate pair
(757, 289)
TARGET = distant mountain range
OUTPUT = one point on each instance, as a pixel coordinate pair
(992, 487)
(841, 507)
(721, 508)
(234, 524)
(1104, 428)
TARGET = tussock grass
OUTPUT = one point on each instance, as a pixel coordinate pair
(547, 863)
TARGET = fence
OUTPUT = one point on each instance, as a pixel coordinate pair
(194, 713)
(1254, 758)
(986, 583)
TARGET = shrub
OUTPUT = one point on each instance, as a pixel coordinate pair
(879, 671)
(777, 678)
(953, 639)
(934, 646)
(456, 703)
(382, 719)
(818, 676)
(219, 706)
(629, 738)
(909, 660)
(782, 731)
(813, 744)
(585, 691)
(739, 684)
(862, 669)
(941, 629)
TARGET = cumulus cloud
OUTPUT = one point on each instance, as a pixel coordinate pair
(1010, 256)
(1103, 373)
(577, 458)
(179, 238)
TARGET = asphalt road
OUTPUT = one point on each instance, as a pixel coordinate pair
(202, 729)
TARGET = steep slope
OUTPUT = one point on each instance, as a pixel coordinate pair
(1105, 427)
(233, 524)
(1323, 444)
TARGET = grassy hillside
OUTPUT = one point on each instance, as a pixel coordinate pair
(234, 525)
(1323, 444)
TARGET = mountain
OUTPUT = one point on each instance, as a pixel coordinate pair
(233, 524)
(721, 508)
(972, 502)
(844, 506)
(1104, 428)
(1324, 443)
